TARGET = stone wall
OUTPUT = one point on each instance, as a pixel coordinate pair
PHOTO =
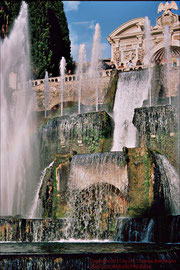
(54, 189)
(83, 133)
(164, 229)
(77, 256)
(88, 90)
(158, 129)
(159, 83)
(102, 171)
(31, 230)
(152, 121)
(133, 176)
(141, 180)
(161, 229)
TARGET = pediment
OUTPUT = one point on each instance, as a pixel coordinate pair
(128, 31)
(128, 28)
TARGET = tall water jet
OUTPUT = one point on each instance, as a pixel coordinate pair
(19, 155)
(95, 60)
(132, 90)
(62, 73)
(46, 94)
(148, 46)
(81, 63)
(168, 58)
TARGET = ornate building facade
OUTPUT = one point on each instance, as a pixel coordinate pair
(128, 41)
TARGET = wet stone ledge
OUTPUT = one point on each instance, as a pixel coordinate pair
(158, 129)
(160, 229)
(152, 121)
(31, 230)
(82, 256)
(83, 133)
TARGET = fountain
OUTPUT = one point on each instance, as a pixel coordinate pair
(178, 141)
(46, 94)
(115, 200)
(19, 147)
(149, 47)
(171, 185)
(132, 90)
(96, 183)
(36, 209)
(62, 72)
(95, 60)
(168, 58)
(81, 63)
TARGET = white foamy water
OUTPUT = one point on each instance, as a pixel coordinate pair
(148, 232)
(132, 90)
(19, 147)
(81, 63)
(95, 61)
(96, 182)
(171, 186)
(149, 47)
(62, 67)
(35, 211)
(168, 58)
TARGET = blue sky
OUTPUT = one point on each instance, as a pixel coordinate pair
(82, 17)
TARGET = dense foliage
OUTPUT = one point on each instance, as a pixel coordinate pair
(48, 32)
(8, 12)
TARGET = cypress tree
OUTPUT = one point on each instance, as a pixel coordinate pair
(49, 33)
(9, 10)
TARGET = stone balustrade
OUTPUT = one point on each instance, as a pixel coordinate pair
(74, 77)
(88, 86)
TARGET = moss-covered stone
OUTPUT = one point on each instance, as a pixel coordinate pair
(83, 133)
(53, 186)
(158, 129)
(140, 174)
(111, 92)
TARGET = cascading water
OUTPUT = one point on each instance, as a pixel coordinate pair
(97, 194)
(178, 140)
(148, 44)
(35, 211)
(81, 63)
(19, 146)
(46, 93)
(132, 90)
(95, 60)
(171, 185)
(162, 229)
(168, 58)
(62, 67)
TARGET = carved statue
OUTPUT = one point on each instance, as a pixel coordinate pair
(167, 18)
(117, 57)
(167, 7)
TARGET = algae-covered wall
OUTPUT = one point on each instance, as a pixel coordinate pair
(104, 171)
(83, 133)
(31, 230)
(111, 91)
(158, 129)
(141, 181)
(53, 193)
(134, 175)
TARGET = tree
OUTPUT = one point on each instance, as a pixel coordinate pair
(8, 12)
(49, 34)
